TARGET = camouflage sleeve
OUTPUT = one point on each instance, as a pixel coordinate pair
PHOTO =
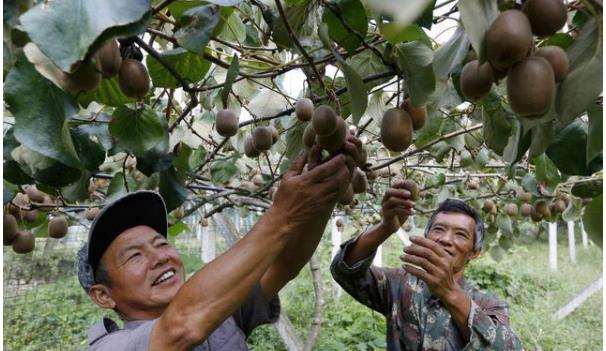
(368, 284)
(489, 325)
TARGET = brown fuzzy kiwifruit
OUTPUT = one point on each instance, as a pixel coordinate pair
(359, 181)
(511, 210)
(249, 148)
(334, 141)
(91, 213)
(412, 187)
(542, 207)
(508, 40)
(109, 58)
(34, 194)
(133, 78)
(258, 180)
(526, 209)
(204, 222)
(262, 138)
(476, 80)
(275, 135)
(371, 175)
(396, 129)
(488, 206)
(535, 215)
(86, 77)
(324, 120)
(473, 184)
(10, 229)
(304, 109)
(57, 227)
(348, 196)
(558, 206)
(226, 123)
(339, 223)
(524, 196)
(24, 242)
(531, 87)
(30, 216)
(418, 114)
(545, 16)
(557, 58)
(309, 136)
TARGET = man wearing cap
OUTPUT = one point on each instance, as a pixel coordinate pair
(129, 266)
(427, 303)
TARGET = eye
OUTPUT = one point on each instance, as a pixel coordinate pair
(133, 256)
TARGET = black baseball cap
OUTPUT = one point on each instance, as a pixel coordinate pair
(134, 209)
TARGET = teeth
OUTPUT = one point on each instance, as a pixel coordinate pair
(165, 276)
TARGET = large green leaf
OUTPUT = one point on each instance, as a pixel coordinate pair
(65, 30)
(546, 172)
(542, 136)
(189, 66)
(230, 77)
(353, 14)
(585, 46)
(108, 93)
(198, 25)
(592, 220)
(366, 63)
(426, 18)
(77, 191)
(451, 54)
(172, 190)
(594, 134)
(88, 142)
(431, 129)
(357, 91)
(588, 189)
(294, 140)
(415, 61)
(222, 171)
(569, 148)
(297, 16)
(233, 29)
(497, 123)
(396, 34)
(40, 110)
(138, 131)
(120, 186)
(517, 144)
(477, 16)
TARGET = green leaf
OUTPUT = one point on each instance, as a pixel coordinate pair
(108, 92)
(415, 61)
(587, 189)
(563, 40)
(594, 134)
(190, 66)
(396, 34)
(592, 220)
(77, 191)
(357, 91)
(198, 25)
(477, 16)
(118, 186)
(529, 183)
(13, 173)
(350, 12)
(451, 55)
(178, 228)
(40, 110)
(497, 253)
(57, 175)
(222, 171)
(497, 123)
(233, 29)
(510, 152)
(580, 89)
(294, 140)
(172, 190)
(542, 136)
(366, 63)
(87, 142)
(232, 74)
(431, 129)
(505, 225)
(426, 19)
(568, 149)
(65, 30)
(137, 131)
(573, 210)
(297, 16)
(585, 46)
(546, 171)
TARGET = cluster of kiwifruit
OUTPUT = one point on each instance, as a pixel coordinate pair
(531, 74)
(538, 210)
(261, 139)
(398, 124)
(108, 62)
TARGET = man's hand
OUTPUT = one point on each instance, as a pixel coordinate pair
(397, 206)
(438, 266)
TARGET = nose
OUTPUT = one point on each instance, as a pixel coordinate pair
(446, 238)
(158, 258)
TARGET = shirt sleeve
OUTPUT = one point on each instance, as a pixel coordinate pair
(256, 311)
(125, 340)
(368, 284)
(489, 325)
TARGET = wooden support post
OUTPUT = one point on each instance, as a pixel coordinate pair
(553, 246)
(579, 299)
(584, 237)
(571, 244)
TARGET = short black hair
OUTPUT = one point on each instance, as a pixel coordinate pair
(101, 276)
(458, 206)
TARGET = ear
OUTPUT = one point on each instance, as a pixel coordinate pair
(474, 254)
(101, 296)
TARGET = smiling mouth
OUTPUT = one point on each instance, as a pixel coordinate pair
(164, 276)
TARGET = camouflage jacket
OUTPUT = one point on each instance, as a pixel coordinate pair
(416, 320)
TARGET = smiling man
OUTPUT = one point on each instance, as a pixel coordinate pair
(427, 303)
(129, 266)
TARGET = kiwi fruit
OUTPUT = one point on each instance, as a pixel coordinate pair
(86, 77)
(526, 209)
(558, 206)
(226, 123)
(348, 196)
(178, 213)
(275, 135)
(359, 181)
(204, 222)
(418, 115)
(30, 216)
(57, 227)
(10, 229)
(339, 223)
(411, 186)
(91, 213)
(545, 16)
(473, 184)
(304, 109)
(531, 87)
(324, 120)
(476, 80)
(511, 210)
(508, 40)
(24, 242)
(557, 58)
(524, 196)
(258, 180)
(309, 136)
(109, 58)
(334, 141)
(396, 129)
(34, 194)
(535, 215)
(249, 148)
(488, 206)
(371, 175)
(262, 138)
(133, 78)
(542, 208)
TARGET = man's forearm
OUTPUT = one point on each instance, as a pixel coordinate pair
(459, 306)
(366, 244)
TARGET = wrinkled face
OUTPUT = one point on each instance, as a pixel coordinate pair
(145, 272)
(456, 233)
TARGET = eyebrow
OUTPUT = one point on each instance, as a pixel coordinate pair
(466, 230)
(137, 246)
